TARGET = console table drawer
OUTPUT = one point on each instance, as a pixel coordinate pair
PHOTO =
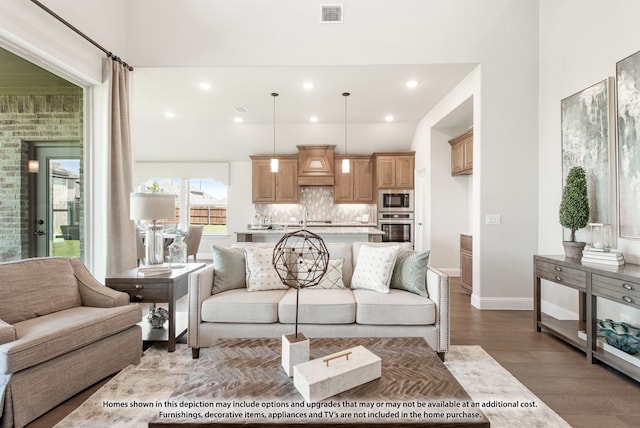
(562, 275)
(151, 293)
(626, 292)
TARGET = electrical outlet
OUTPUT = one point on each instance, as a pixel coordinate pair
(624, 318)
(493, 219)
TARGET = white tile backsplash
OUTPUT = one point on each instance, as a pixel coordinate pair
(319, 203)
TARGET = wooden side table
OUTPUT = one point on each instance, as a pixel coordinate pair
(166, 288)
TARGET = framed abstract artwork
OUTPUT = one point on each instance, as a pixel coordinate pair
(588, 140)
(628, 82)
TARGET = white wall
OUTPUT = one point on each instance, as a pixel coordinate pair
(580, 43)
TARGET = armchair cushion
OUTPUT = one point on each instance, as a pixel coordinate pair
(27, 292)
(44, 338)
(7, 332)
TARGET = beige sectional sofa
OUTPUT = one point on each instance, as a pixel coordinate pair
(222, 305)
(61, 331)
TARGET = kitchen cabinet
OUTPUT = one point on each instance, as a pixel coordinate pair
(594, 283)
(466, 263)
(356, 186)
(462, 154)
(395, 170)
(279, 187)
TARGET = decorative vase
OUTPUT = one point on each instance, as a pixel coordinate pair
(178, 253)
(157, 317)
(572, 249)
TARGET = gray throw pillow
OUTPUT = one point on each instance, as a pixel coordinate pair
(229, 269)
(410, 272)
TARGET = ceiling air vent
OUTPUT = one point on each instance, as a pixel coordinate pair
(241, 109)
(331, 13)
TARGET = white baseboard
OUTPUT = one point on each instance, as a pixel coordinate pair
(557, 312)
(502, 303)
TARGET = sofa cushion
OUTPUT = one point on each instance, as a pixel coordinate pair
(44, 338)
(410, 272)
(332, 277)
(261, 275)
(341, 250)
(241, 306)
(229, 265)
(317, 306)
(396, 308)
(374, 267)
(34, 287)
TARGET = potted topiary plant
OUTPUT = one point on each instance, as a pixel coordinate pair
(574, 209)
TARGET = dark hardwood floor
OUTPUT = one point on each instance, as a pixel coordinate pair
(585, 395)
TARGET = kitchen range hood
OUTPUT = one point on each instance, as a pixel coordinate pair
(316, 165)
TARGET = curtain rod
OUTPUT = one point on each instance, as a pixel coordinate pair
(81, 34)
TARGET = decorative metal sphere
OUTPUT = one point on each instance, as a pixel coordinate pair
(300, 259)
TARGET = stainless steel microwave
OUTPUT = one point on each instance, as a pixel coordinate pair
(395, 200)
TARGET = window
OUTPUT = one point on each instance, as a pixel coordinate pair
(205, 200)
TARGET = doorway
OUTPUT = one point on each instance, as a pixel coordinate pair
(56, 200)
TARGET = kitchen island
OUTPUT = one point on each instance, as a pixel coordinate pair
(333, 233)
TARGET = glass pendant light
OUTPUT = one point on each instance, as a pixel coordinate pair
(346, 164)
(274, 160)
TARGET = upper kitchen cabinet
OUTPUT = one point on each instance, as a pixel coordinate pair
(462, 154)
(355, 187)
(394, 170)
(278, 187)
(315, 165)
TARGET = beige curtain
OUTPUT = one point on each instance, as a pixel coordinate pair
(121, 245)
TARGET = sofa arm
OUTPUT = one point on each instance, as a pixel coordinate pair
(200, 286)
(438, 289)
(92, 292)
(7, 333)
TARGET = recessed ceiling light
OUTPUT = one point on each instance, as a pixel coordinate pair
(169, 114)
(389, 118)
(412, 84)
(205, 86)
(237, 119)
(307, 85)
(313, 119)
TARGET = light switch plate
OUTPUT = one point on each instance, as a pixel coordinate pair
(493, 219)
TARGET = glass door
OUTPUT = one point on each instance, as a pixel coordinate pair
(58, 216)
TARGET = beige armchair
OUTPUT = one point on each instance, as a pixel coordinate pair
(61, 331)
(192, 239)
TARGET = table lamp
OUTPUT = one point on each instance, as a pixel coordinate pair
(153, 207)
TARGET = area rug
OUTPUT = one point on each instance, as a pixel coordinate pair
(127, 400)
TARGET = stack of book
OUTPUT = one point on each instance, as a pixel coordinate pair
(154, 270)
(614, 258)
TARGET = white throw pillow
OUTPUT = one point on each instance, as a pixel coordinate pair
(331, 279)
(261, 275)
(374, 268)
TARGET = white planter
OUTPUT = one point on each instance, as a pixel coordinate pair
(295, 350)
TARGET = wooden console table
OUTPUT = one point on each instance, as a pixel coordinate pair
(618, 284)
(166, 288)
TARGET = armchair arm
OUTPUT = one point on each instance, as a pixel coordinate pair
(7, 333)
(438, 288)
(92, 292)
(200, 286)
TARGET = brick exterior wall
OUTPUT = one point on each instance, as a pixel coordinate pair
(25, 119)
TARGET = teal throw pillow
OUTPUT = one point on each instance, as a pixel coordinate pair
(229, 266)
(410, 272)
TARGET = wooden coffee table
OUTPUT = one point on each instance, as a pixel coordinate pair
(416, 389)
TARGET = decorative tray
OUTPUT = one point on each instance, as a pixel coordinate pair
(620, 335)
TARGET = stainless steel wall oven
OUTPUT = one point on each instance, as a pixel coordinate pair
(397, 227)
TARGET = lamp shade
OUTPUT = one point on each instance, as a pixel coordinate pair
(153, 206)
